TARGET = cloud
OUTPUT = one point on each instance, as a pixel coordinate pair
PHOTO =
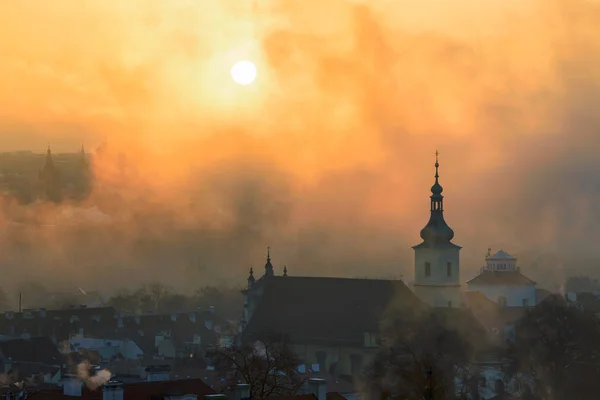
(328, 157)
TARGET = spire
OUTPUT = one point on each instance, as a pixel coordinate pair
(437, 232)
(49, 164)
(268, 266)
(251, 278)
(285, 270)
(437, 189)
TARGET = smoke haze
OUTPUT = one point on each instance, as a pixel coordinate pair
(327, 157)
(93, 382)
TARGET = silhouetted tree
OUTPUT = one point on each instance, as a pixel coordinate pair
(125, 301)
(175, 302)
(419, 360)
(269, 366)
(225, 299)
(153, 295)
(558, 346)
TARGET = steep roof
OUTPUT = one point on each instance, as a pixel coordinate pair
(326, 310)
(39, 350)
(503, 278)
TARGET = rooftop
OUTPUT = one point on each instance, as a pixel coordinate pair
(313, 309)
(502, 255)
(501, 278)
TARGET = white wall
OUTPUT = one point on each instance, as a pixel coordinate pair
(439, 296)
(438, 289)
(438, 259)
(514, 294)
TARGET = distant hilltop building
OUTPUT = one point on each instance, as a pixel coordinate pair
(53, 177)
(49, 180)
(502, 282)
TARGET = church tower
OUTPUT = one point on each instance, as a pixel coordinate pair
(49, 180)
(437, 268)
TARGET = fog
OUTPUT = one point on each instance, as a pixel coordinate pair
(327, 157)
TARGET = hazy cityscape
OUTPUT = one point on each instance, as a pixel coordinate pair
(285, 200)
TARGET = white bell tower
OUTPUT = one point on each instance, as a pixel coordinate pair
(437, 262)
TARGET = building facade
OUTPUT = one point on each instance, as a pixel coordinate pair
(501, 281)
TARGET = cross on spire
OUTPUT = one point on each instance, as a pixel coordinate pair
(268, 265)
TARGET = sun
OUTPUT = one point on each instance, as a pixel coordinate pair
(243, 72)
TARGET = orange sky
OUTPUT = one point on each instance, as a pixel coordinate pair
(352, 99)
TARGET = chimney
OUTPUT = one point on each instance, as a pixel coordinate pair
(72, 386)
(242, 391)
(112, 390)
(219, 396)
(318, 387)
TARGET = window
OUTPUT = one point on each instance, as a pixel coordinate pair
(449, 268)
(525, 302)
(427, 268)
(502, 301)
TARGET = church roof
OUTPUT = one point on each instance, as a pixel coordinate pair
(326, 310)
(502, 255)
(339, 311)
(504, 278)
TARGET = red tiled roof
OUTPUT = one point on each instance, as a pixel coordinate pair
(137, 390)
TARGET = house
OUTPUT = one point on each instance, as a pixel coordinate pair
(501, 281)
(107, 348)
(174, 335)
(34, 358)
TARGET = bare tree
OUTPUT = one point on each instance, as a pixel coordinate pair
(419, 361)
(558, 347)
(156, 293)
(269, 365)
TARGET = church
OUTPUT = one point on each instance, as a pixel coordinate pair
(334, 323)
